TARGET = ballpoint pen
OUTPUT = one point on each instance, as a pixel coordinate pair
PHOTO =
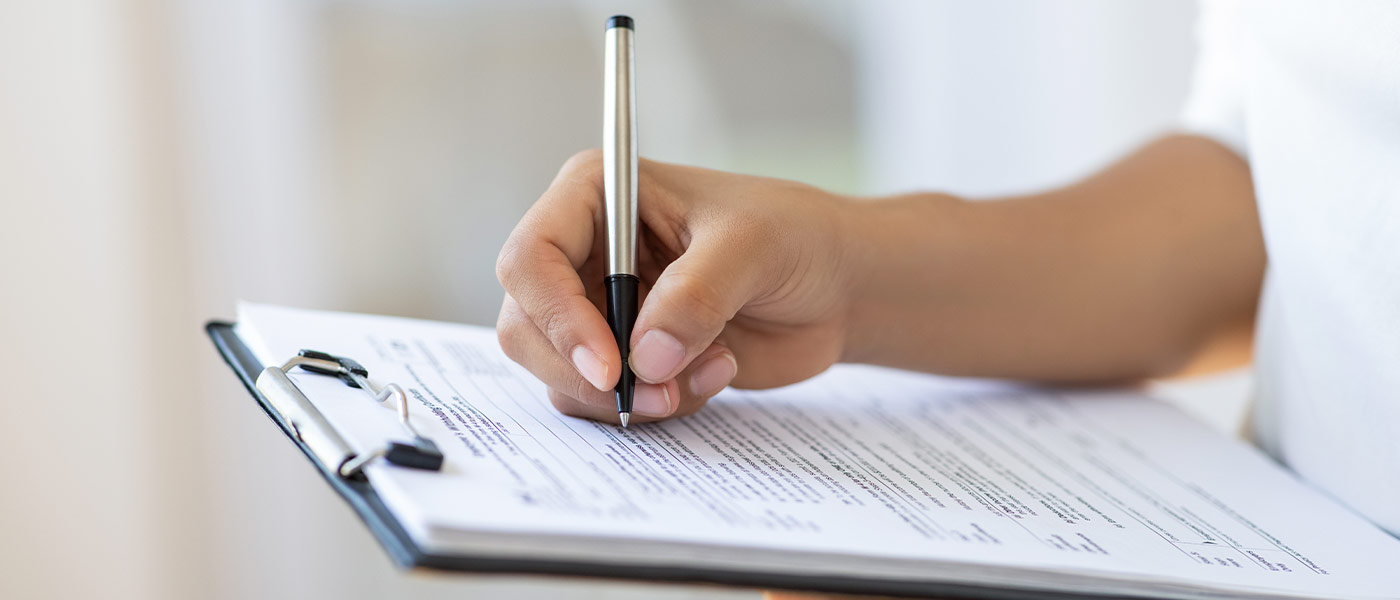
(620, 198)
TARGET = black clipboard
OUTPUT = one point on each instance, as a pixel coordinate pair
(359, 493)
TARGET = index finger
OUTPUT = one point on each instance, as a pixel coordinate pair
(538, 267)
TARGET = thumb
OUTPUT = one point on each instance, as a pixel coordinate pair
(689, 305)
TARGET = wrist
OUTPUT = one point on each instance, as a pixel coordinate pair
(900, 254)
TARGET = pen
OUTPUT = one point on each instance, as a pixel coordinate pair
(620, 197)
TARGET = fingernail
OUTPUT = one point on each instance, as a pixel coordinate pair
(590, 366)
(651, 400)
(711, 377)
(657, 356)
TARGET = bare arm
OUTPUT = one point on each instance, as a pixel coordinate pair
(757, 282)
(1123, 275)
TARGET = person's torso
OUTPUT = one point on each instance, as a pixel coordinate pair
(1322, 128)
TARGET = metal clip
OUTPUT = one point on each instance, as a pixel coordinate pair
(311, 427)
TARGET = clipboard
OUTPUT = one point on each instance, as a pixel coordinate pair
(358, 491)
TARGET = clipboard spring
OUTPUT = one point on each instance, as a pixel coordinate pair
(311, 427)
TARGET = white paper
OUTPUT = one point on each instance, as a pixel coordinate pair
(860, 472)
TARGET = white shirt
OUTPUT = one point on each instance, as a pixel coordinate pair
(1309, 92)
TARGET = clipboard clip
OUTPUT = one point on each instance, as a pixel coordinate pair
(311, 427)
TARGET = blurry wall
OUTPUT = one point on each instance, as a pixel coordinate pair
(159, 160)
(1005, 96)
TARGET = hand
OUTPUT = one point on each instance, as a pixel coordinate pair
(744, 282)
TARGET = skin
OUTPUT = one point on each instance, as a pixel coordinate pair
(763, 282)
(758, 283)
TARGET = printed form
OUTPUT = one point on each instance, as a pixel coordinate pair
(861, 470)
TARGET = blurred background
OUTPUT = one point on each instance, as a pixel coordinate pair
(160, 160)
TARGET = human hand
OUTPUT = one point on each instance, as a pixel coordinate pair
(744, 282)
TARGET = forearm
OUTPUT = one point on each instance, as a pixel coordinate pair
(1120, 276)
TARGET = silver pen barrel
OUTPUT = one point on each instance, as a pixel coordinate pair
(620, 148)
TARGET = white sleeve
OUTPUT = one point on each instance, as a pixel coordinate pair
(1215, 106)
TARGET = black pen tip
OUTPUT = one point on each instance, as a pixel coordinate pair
(619, 21)
(625, 390)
